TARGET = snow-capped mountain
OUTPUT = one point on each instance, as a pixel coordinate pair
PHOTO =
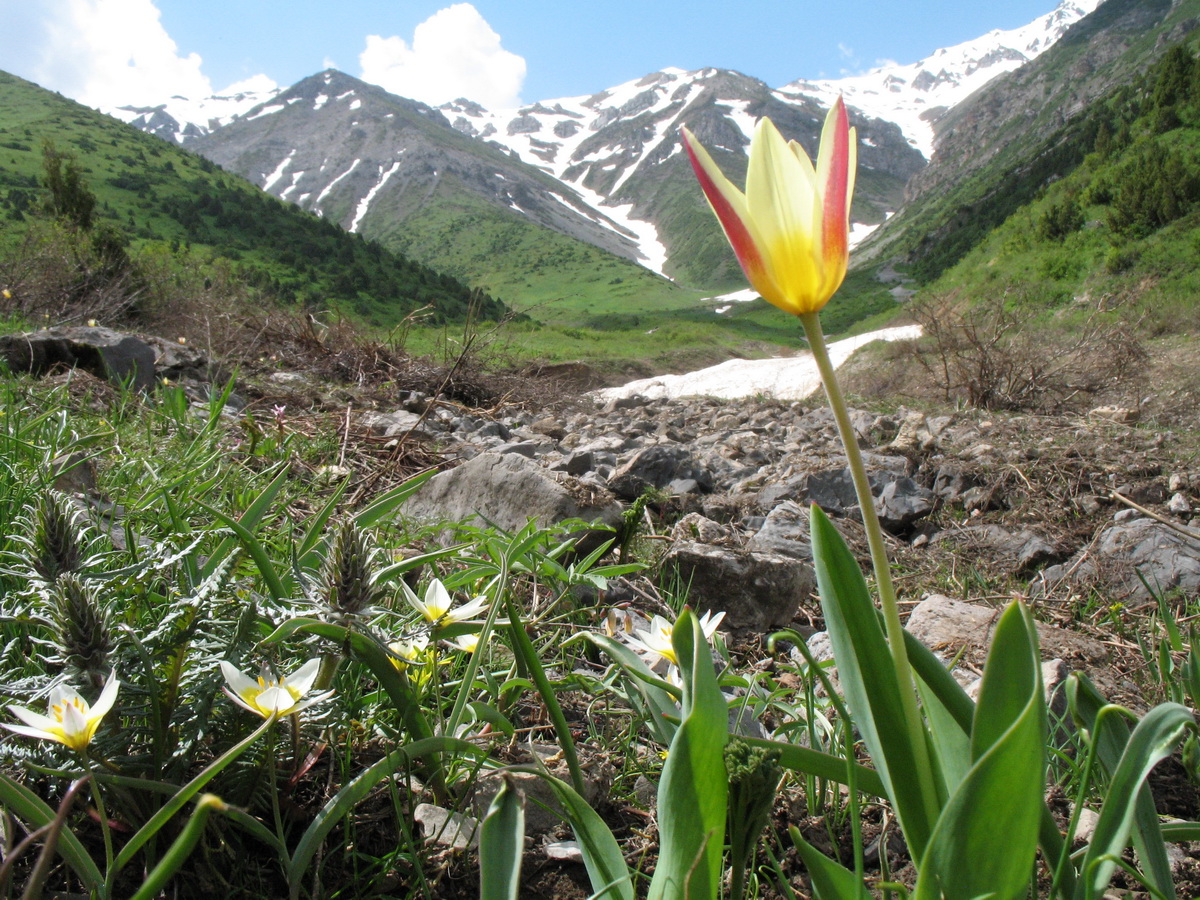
(610, 147)
(606, 169)
(917, 95)
(180, 119)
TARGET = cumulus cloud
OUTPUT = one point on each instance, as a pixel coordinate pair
(454, 53)
(103, 53)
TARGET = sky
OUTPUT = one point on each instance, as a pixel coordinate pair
(501, 53)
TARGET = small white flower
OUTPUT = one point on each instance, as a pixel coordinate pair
(71, 721)
(655, 642)
(268, 696)
(437, 609)
(468, 643)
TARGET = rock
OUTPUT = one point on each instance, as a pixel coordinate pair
(391, 424)
(1121, 415)
(1179, 505)
(507, 491)
(695, 527)
(657, 467)
(446, 828)
(73, 473)
(947, 625)
(1020, 552)
(901, 503)
(118, 357)
(785, 532)
(542, 809)
(567, 851)
(951, 482)
(1166, 559)
(914, 437)
(756, 591)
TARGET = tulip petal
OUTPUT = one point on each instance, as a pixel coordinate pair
(836, 166)
(32, 719)
(40, 734)
(301, 681)
(733, 213)
(240, 683)
(107, 698)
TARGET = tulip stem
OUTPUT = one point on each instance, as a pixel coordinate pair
(879, 559)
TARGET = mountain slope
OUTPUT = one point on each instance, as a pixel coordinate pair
(169, 199)
(395, 171)
(1002, 146)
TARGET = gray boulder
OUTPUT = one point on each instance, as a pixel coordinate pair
(756, 591)
(118, 357)
(507, 491)
(1167, 559)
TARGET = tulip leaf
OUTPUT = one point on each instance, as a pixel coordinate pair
(693, 791)
(602, 856)
(27, 806)
(1111, 736)
(868, 678)
(343, 802)
(830, 879)
(502, 844)
(1152, 741)
(1002, 791)
(660, 705)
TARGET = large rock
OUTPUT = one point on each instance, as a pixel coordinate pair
(120, 358)
(948, 626)
(1020, 552)
(507, 491)
(756, 591)
(1167, 560)
(660, 467)
(785, 532)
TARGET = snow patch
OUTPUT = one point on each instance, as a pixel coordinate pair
(329, 187)
(270, 180)
(365, 203)
(784, 378)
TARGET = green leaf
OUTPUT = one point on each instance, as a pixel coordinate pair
(1152, 741)
(868, 678)
(602, 856)
(830, 879)
(35, 813)
(660, 705)
(387, 502)
(693, 790)
(1111, 739)
(502, 844)
(1002, 792)
(344, 801)
(250, 520)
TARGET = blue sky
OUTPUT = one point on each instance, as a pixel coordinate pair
(104, 51)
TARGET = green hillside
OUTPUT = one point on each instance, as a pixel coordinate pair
(1122, 227)
(164, 199)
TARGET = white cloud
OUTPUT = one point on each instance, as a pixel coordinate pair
(103, 53)
(454, 53)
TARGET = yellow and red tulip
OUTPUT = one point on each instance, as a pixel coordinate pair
(790, 229)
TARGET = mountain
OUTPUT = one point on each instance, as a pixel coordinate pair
(180, 210)
(180, 118)
(534, 203)
(918, 95)
(621, 150)
(1000, 148)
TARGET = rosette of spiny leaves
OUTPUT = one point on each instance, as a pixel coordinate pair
(82, 636)
(349, 589)
(53, 540)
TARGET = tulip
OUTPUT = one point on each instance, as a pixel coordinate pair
(655, 642)
(269, 697)
(71, 721)
(790, 229)
(437, 607)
